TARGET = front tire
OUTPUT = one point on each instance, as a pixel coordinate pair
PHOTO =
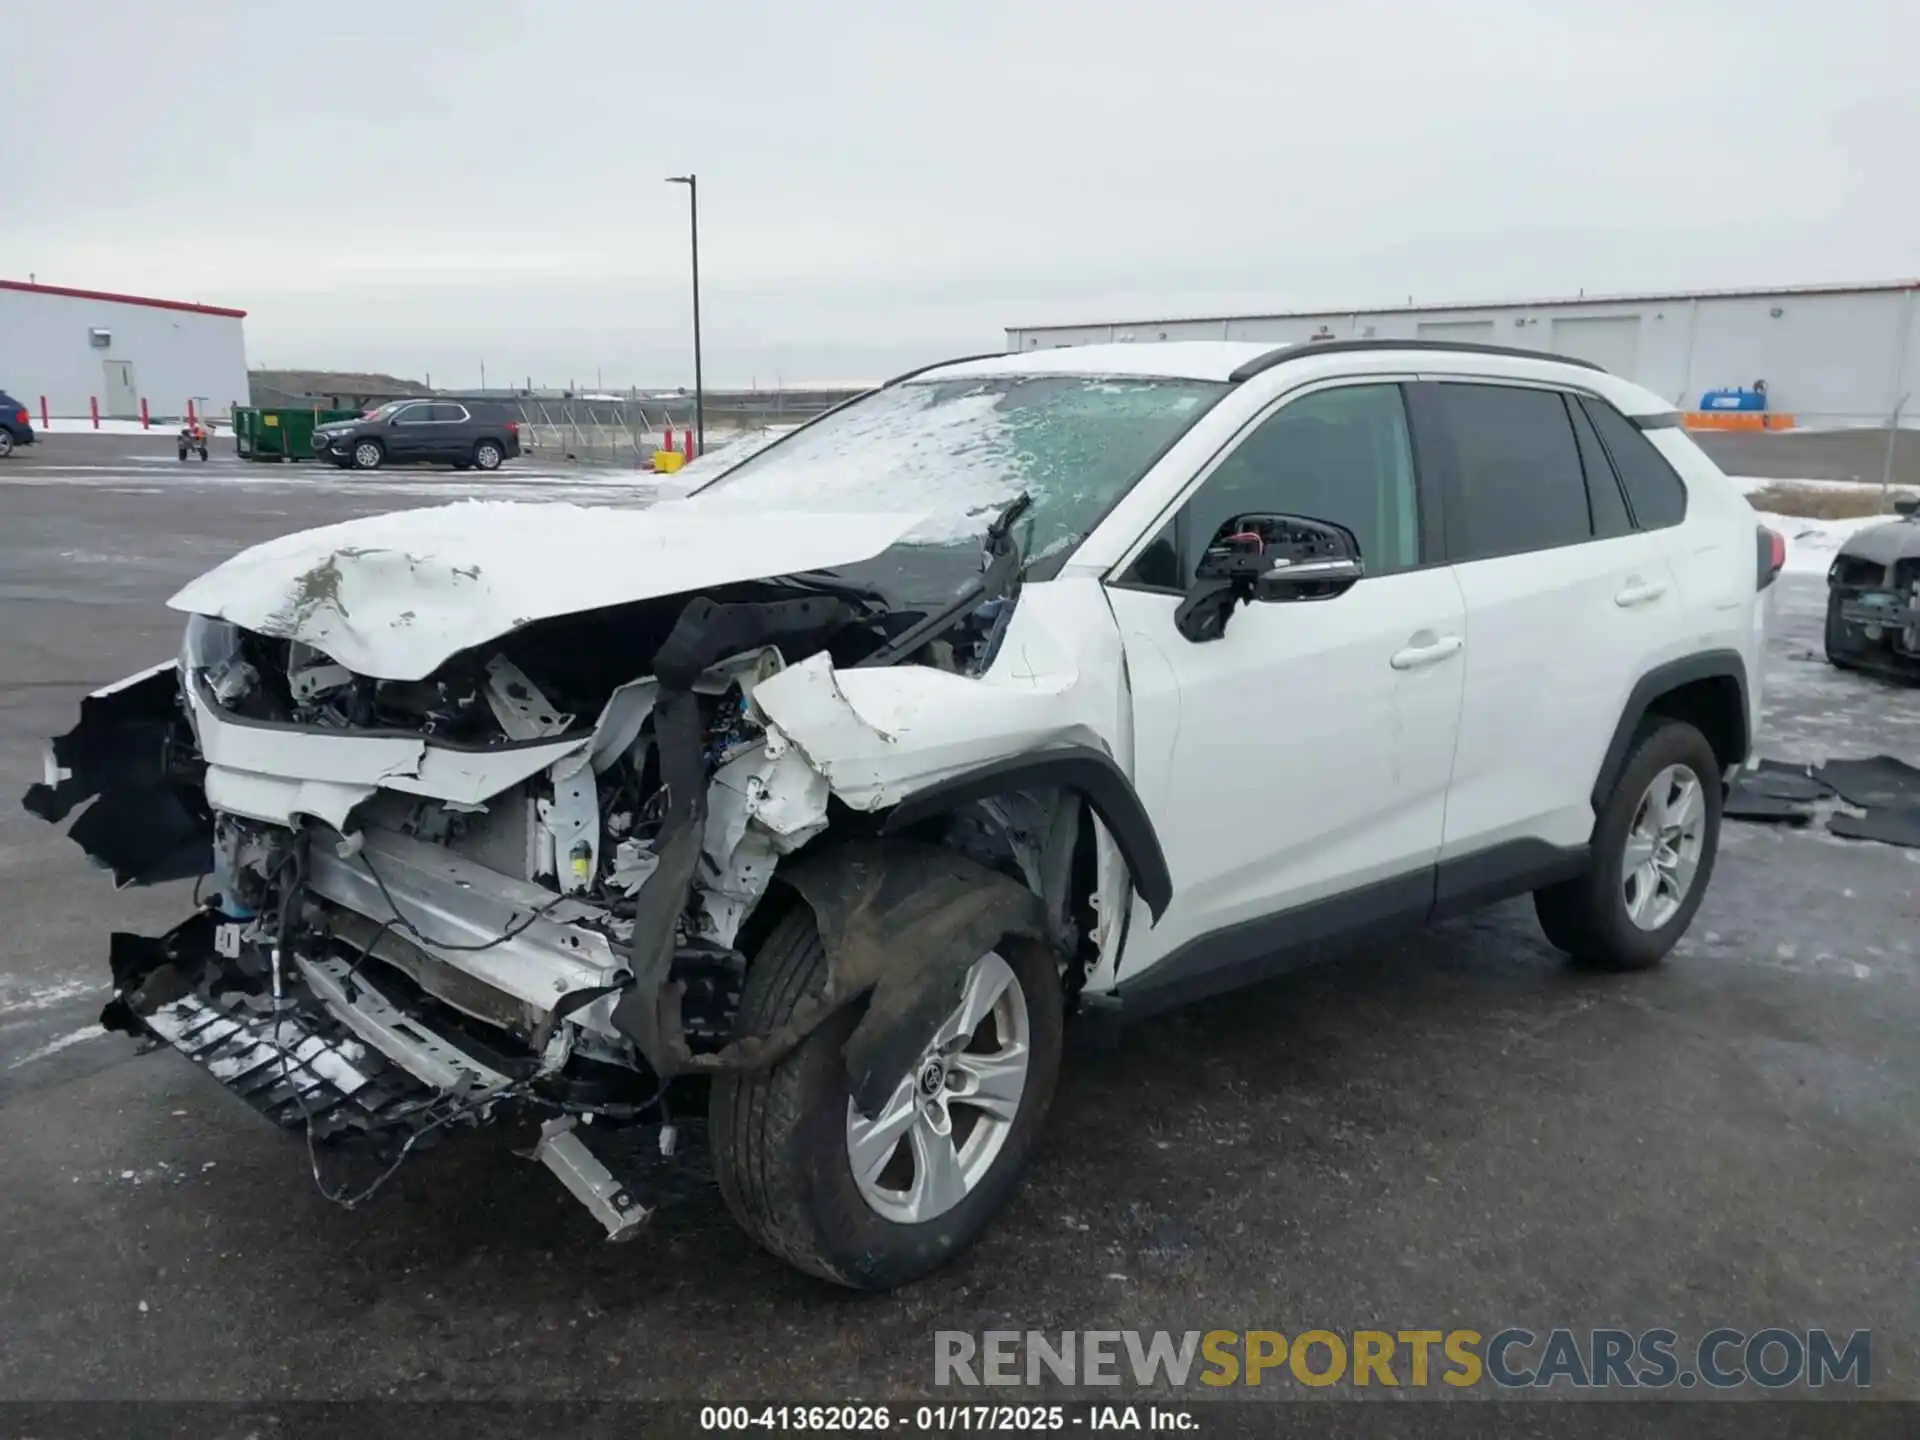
(1653, 852)
(786, 1140)
(369, 455)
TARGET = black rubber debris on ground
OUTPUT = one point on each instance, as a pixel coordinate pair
(1774, 791)
(1747, 804)
(1891, 825)
(1869, 784)
(1784, 780)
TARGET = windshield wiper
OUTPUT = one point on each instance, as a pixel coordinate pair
(1002, 562)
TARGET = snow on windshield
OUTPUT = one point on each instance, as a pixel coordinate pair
(958, 450)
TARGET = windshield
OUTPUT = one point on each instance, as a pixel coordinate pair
(385, 412)
(960, 450)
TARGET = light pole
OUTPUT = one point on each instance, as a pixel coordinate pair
(692, 182)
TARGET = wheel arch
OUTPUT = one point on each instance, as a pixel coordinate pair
(1089, 773)
(1707, 690)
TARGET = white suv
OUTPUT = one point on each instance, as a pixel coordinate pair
(1085, 681)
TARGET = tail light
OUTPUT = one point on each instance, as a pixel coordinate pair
(513, 428)
(1772, 555)
(20, 417)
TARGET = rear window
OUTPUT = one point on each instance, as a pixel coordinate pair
(1657, 495)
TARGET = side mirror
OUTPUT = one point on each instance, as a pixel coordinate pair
(1267, 558)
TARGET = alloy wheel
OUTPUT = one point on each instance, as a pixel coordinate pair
(948, 1119)
(1663, 847)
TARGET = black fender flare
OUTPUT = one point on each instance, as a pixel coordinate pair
(902, 922)
(1707, 665)
(1088, 772)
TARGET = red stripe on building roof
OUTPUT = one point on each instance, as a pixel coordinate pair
(111, 298)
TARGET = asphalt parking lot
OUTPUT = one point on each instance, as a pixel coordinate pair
(1455, 1131)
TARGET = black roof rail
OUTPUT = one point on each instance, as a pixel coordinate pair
(938, 364)
(1307, 348)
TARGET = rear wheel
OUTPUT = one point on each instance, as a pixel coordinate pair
(1653, 851)
(368, 455)
(487, 456)
(874, 1202)
(6, 443)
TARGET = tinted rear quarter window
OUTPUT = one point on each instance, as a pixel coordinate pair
(1518, 479)
(1658, 495)
(1609, 507)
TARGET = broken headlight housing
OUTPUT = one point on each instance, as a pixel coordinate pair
(208, 644)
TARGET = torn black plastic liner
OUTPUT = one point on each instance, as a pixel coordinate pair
(133, 750)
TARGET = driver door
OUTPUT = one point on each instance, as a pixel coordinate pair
(1296, 768)
(408, 431)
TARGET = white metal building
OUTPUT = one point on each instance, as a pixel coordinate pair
(1836, 350)
(78, 347)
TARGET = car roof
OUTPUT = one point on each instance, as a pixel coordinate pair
(1230, 361)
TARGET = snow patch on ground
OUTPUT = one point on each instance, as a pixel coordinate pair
(60, 425)
(55, 1046)
(1812, 544)
(18, 999)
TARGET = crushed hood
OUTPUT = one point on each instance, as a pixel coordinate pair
(395, 596)
(1884, 544)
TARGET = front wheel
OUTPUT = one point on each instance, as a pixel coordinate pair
(368, 455)
(1653, 851)
(873, 1202)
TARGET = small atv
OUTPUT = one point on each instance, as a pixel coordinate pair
(192, 440)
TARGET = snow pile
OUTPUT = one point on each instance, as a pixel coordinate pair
(1812, 544)
(60, 425)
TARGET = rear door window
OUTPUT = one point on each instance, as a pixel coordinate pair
(1658, 495)
(1518, 484)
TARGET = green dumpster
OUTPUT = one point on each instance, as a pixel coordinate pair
(280, 434)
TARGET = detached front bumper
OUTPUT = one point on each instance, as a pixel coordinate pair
(332, 1055)
(331, 1051)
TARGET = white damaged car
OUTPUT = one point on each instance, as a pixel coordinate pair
(1082, 682)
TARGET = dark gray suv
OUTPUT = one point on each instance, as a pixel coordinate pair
(466, 434)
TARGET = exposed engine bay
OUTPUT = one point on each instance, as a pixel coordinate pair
(529, 876)
(1873, 598)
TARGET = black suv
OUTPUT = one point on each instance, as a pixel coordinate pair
(15, 428)
(466, 434)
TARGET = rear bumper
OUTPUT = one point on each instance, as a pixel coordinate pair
(23, 434)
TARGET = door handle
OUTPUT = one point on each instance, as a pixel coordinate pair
(1639, 592)
(1414, 657)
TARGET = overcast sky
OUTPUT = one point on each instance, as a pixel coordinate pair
(425, 185)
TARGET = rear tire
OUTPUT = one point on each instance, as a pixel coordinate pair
(6, 443)
(781, 1142)
(487, 455)
(1591, 917)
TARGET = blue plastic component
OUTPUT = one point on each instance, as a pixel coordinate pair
(1730, 399)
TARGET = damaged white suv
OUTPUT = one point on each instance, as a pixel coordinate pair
(1084, 681)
